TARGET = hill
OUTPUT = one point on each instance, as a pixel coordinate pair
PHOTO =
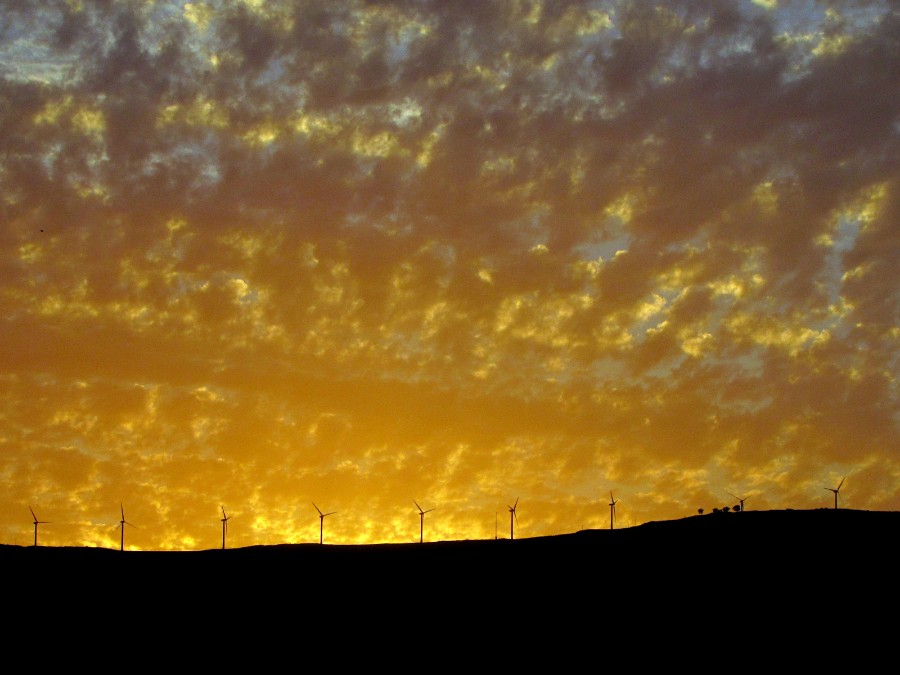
(755, 580)
(749, 543)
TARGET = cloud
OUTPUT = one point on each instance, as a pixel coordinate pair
(264, 254)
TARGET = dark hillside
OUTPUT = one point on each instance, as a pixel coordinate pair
(752, 543)
(769, 582)
(796, 535)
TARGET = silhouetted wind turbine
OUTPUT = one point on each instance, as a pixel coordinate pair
(122, 524)
(224, 526)
(421, 520)
(612, 509)
(740, 499)
(512, 515)
(837, 490)
(321, 521)
(36, 522)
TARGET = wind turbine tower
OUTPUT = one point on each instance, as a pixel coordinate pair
(122, 524)
(740, 499)
(421, 520)
(612, 510)
(836, 491)
(36, 523)
(322, 521)
(224, 526)
(512, 516)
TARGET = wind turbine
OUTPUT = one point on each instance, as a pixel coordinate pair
(837, 490)
(740, 499)
(36, 522)
(612, 509)
(224, 526)
(122, 524)
(512, 515)
(421, 520)
(322, 520)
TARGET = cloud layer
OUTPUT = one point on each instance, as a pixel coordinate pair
(366, 254)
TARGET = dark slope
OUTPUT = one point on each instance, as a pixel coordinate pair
(801, 535)
(758, 588)
(751, 542)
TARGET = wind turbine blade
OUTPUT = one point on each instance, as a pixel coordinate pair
(842, 482)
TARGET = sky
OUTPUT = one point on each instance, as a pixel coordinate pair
(260, 260)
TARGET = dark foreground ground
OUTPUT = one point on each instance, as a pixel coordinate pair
(774, 577)
(752, 547)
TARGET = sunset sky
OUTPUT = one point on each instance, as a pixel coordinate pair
(452, 254)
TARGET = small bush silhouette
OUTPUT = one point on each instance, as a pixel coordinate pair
(700, 511)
